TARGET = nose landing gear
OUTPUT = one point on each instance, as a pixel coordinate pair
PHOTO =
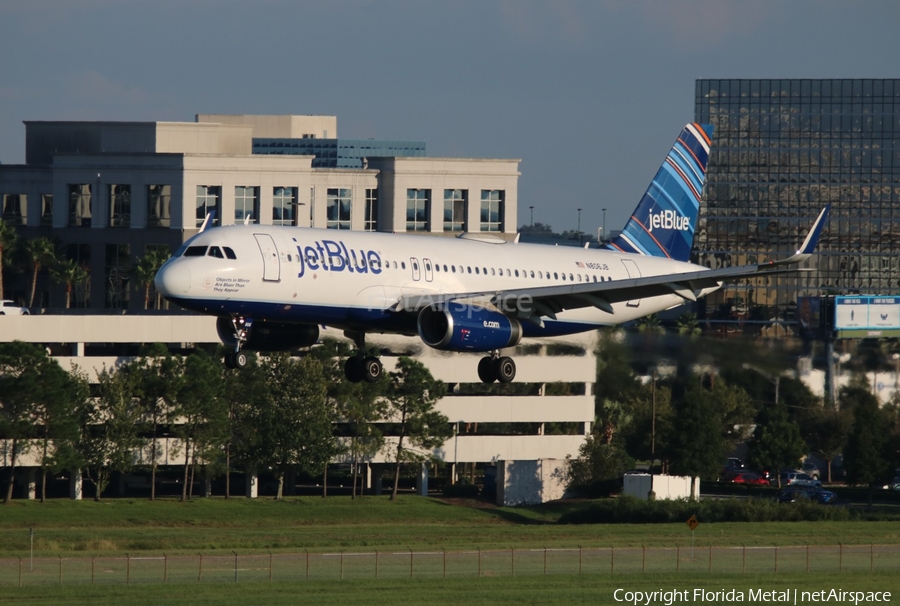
(496, 368)
(242, 326)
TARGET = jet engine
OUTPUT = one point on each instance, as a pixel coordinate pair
(461, 327)
(269, 336)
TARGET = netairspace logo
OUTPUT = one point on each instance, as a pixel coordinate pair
(786, 596)
(668, 219)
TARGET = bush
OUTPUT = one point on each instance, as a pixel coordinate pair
(463, 490)
(628, 510)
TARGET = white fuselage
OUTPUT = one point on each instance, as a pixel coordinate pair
(353, 280)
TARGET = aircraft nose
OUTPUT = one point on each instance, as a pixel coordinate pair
(173, 280)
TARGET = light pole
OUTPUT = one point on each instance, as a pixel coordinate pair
(531, 208)
(604, 224)
(579, 222)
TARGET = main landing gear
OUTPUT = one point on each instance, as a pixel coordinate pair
(361, 367)
(496, 368)
(242, 326)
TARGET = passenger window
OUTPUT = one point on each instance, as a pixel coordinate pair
(468, 270)
(453, 268)
(564, 277)
(492, 271)
(437, 267)
(508, 274)
(595, 278)
(445, 268)
(517, 273)
(403, 265)
(532, 273)
(476, 271)
(540, 275)
(571, 279)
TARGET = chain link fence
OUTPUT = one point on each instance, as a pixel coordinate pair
(237, 568)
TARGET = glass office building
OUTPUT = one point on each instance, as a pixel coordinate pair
(339, 153)
(782, 150)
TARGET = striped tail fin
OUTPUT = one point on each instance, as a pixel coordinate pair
(663, 223)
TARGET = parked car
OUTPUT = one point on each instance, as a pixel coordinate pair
(9, 308)
(797, 494)
(810, 469)
(749, 477)
(798, 478)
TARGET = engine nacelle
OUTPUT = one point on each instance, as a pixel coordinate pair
(270, 336)
(459, 327)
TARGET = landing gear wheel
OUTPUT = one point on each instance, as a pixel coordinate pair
(486, 370)
(505, 369)
(236, 360)
(354, 369)
(371, 369)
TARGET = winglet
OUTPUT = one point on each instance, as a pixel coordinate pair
(210, 217)
(808, 247)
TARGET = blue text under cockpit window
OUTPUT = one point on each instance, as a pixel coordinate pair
(195, 251)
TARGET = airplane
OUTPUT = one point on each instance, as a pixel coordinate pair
(272, 287)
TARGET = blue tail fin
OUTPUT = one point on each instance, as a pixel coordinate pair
(663, 223)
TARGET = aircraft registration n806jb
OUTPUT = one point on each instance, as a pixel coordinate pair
(271, 287)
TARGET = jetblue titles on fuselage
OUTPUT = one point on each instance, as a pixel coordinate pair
(335, 256)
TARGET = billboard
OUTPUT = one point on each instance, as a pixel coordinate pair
(862, 316)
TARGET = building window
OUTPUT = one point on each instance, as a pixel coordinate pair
(15, 209)
(455, 209)
(117, 264)
(208, 202)
(371, 221)
(246, 204)
(284, 206)
(80, 205)
(46, 209)
(120, 205)
(492, 209)
(159, 201)
(417, 209)
(339, 205)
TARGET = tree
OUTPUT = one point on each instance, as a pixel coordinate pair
(33, 388)
(411, 398)
(146, 269)
(598, 463)
(157, 377)
(865, 457)
(825, 432)
(295, 425)
(688, 325)
(40, 252)
(108, 437)
(203, 414)
(776, 441)
(71, 274)
(7, 242)
(696, 447)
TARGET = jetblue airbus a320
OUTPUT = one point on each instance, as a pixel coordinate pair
(271, 287)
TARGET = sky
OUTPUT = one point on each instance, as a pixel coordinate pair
(589, 95)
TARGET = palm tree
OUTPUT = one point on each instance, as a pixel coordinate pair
(71, 274)
(688, 325)
(41, 252)
(7, 241)
(146, 268)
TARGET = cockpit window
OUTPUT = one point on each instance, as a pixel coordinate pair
(180, 250)
(195, 251)
(215, 251)
(229, 253)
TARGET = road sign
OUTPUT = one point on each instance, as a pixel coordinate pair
(693, 522)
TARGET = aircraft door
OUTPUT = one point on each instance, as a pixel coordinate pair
(429, 276)
(271, 263)
(416, 270)
(633, 272)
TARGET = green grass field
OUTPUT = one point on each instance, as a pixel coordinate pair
(66, 528)
(551, 590)
(138, 552)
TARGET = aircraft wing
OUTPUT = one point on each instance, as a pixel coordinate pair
(546, 301)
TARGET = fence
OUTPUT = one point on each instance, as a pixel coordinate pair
(237, 568)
